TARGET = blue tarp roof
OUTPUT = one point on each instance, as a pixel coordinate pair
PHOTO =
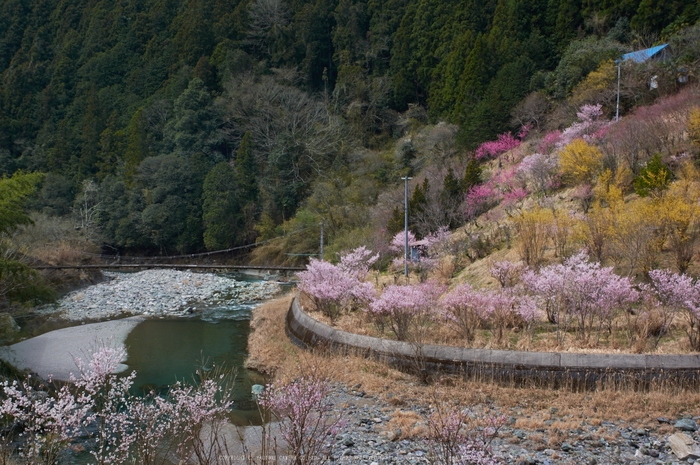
(643, 55)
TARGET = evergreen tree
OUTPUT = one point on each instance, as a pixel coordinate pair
(220, 208)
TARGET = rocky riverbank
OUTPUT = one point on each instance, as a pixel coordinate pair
(157, 293)
(391, 432)
(386, 410)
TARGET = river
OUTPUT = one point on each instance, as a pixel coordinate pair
(161, 349)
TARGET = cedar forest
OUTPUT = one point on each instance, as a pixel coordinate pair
(162, 127)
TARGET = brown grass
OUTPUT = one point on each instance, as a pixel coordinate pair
(409, 422)
(515, 338)
(272, 352)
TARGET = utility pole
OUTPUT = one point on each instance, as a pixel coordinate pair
(405, 225)
(321, 254)
(617, 106)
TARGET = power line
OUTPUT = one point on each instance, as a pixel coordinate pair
(196, 255)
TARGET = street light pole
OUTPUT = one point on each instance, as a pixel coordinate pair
(405, 224)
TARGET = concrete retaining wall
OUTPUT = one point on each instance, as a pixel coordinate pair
(505, 365)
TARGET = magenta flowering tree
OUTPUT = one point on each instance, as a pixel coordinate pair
(513, 196)
(494, 148)
(479, 199)
(549, 142)
(306, 417)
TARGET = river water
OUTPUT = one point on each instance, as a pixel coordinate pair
(163, 351)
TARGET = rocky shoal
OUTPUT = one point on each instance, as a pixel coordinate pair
(157, 293)
(371, 437)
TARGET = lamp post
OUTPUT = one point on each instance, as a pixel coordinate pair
(405, 224)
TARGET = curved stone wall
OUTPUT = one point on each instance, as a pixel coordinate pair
(504, 365)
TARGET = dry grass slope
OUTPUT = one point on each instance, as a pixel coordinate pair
(272, 352)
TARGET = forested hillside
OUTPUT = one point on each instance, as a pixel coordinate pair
(172, 126)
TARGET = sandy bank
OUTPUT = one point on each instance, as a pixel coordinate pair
(52, 353)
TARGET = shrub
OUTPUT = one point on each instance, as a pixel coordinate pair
(533, 229)
(306, 417)
(457, 438)
(124, 428)
(580, 162)
(463, 309)
(679, 294)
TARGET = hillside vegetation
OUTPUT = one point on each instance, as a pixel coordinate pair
(171, 127)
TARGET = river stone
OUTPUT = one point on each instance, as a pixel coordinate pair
(257, 389)
(684, 446)
(686, 424)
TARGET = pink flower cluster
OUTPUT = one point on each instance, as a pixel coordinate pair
(456, 438)
(332, 287)
(357, 262)
(549, 142)
(398, 242)
(504, 143)
(677, 294)
(403, 306)
(306, 417)
(128, 428)
(592, 127)
(479, 199)
(506, 186)
(582, 291)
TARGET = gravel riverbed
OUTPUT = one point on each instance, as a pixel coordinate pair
(371, 436)
(157, 293)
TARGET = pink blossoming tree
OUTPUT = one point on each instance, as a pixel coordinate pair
(127, 428)
(458, 437)
(306, 417)
(504, 143)
(334, 288)
(678, 294)
(582, 292)
(406, 307)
